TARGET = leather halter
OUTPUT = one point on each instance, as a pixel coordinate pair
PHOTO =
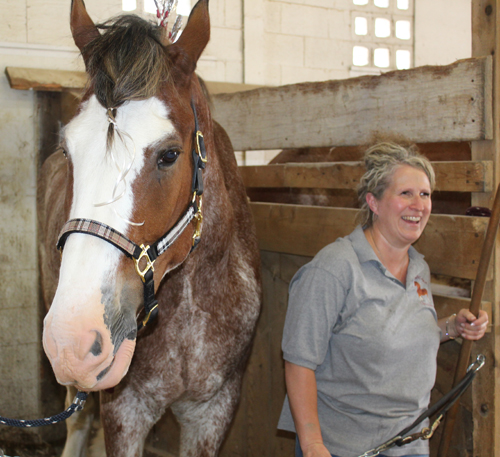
(145, 256)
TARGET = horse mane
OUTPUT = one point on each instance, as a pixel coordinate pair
(127, 61)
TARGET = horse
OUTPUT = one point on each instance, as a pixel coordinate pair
(153, 224)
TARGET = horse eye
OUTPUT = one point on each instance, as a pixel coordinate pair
(167, 158)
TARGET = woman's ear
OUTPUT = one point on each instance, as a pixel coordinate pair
(372, 202)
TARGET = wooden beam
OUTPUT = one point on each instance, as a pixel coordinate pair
(486, 387)
(63, 80)
(425, 104)
(45, 80)
(450, 176)
(451, 244)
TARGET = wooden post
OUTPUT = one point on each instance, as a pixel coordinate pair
(475, 306)
(486, 433)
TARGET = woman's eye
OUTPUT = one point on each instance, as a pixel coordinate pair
(168, 158)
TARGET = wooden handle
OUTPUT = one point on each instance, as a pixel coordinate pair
(475, 305)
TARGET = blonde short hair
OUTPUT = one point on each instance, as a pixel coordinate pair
(381, 159)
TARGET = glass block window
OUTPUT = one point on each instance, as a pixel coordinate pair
(382, 35)
(148, 6)
(381, 58)
(403, 4)
(382, 27)
(403, 30)
(129, 5)
(403, 59)
(361, 26)
(360, 56)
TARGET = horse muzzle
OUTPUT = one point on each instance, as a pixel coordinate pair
(86, 359)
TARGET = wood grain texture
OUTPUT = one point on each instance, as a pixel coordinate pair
(425, 104)
(461, 176)
(485, 389)
(63, 80)
(45, 80)
(451, 244)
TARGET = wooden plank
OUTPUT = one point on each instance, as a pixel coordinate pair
(451, 244)
(45, 80)
(425, 104)
(450, 176)
(62, 80)
(486, 388)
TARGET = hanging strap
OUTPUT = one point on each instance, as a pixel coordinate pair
(441, 407)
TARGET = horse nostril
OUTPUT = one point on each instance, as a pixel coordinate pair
(96, 348)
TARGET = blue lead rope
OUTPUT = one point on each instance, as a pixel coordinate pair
(77, 405)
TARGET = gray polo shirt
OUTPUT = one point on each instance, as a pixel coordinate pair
(371, 340)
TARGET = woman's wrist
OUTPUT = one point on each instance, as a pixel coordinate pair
(451, 327)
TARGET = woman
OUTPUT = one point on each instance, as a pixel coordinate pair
(361, 334)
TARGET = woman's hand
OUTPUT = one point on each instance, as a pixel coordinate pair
(316, 450)
(470, 328)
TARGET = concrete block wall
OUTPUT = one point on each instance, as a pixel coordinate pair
(268, 42)
(19, 324)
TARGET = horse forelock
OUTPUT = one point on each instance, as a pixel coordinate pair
(127, 61)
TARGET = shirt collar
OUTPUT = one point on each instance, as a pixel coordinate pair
(365, 252)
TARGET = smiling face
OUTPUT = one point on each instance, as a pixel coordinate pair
(404, 209)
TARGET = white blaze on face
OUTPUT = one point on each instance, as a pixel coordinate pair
(89, 264)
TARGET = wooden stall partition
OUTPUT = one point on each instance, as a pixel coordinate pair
(450, 101)
(290, 234)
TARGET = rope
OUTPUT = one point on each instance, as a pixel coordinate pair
(77, 405)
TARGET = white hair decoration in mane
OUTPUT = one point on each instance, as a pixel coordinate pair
(122, 170)
(164, 9)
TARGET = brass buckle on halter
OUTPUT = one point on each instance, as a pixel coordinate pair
(149, 263)
(199, 220)
(198, 148)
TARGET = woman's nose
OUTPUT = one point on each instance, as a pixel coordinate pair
(418, 203)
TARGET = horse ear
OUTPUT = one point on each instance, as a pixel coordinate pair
(186, 51)
(82, 27)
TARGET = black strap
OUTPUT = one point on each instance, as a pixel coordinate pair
(199, 154)
(150, 302)
(441, 407)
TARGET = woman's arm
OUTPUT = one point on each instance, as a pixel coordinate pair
(464, 325)
(303, 397)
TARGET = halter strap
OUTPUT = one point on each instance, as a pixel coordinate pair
(148, 254)
(120, 241)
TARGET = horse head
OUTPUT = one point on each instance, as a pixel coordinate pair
(132, 167)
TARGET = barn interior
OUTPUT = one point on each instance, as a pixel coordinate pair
(300, 86)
